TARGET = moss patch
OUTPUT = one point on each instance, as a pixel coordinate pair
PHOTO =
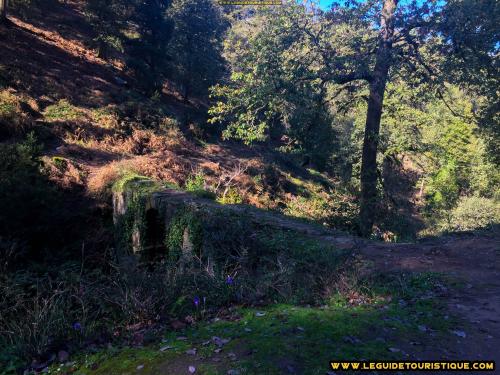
(185, 220)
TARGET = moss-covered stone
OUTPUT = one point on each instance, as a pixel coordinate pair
(184, 236)
(131, 200)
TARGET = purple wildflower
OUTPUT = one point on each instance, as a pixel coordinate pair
(229, 280)
(196, 301)
(77, 326)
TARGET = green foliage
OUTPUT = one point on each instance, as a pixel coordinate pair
(105, 18)
(231, 196)
(264, 263)
(473, 213)
(195, 184)
(136, 190)
(270, 94)
(471, 32)
(183, 222)
(63, 110)
(195, 46)
(337, 209)
(13, 120)
(308, 334)
(149, 53)
(426, 143)
(443, 190)
(130, 180)
(60, 163)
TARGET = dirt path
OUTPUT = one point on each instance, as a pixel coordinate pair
(474, 262)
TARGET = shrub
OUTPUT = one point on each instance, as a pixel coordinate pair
(13, 120)
(105, 117)
(473, 213)
(231, 196)
(195, 184)
(63, 110)
(338, 209)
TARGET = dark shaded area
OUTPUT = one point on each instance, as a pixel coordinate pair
(40, 221)
(155, 234)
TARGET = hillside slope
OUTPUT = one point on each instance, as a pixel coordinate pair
(95, 125)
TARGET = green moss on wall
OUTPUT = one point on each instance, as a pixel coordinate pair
(184, 219)
(137, 191)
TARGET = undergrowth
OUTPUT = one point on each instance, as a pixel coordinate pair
(287, 337)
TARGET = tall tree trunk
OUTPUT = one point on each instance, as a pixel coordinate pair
(3, 11)
(375, 102)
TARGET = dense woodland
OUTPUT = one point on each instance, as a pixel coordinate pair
(374, 119)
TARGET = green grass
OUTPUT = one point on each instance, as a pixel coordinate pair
(63, 110)
(305, 338)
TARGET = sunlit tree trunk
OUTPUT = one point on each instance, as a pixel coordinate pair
(3, 11)
(373, 116)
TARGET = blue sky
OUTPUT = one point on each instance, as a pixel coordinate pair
(325, 3)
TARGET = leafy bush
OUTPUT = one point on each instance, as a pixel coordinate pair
(337, 210)
(196, 184)
(473, 213)
(443, 189)
(13, 120)
(231, 196)
(63, 110)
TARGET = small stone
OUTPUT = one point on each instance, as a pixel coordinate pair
(182, 338)
(140, 367)
(218, 350)
(167, 347)
(260, 314)
(233, 372)
(192, 369)
(422, 328)
(191, 351)
(248, 330)
(394, 350)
